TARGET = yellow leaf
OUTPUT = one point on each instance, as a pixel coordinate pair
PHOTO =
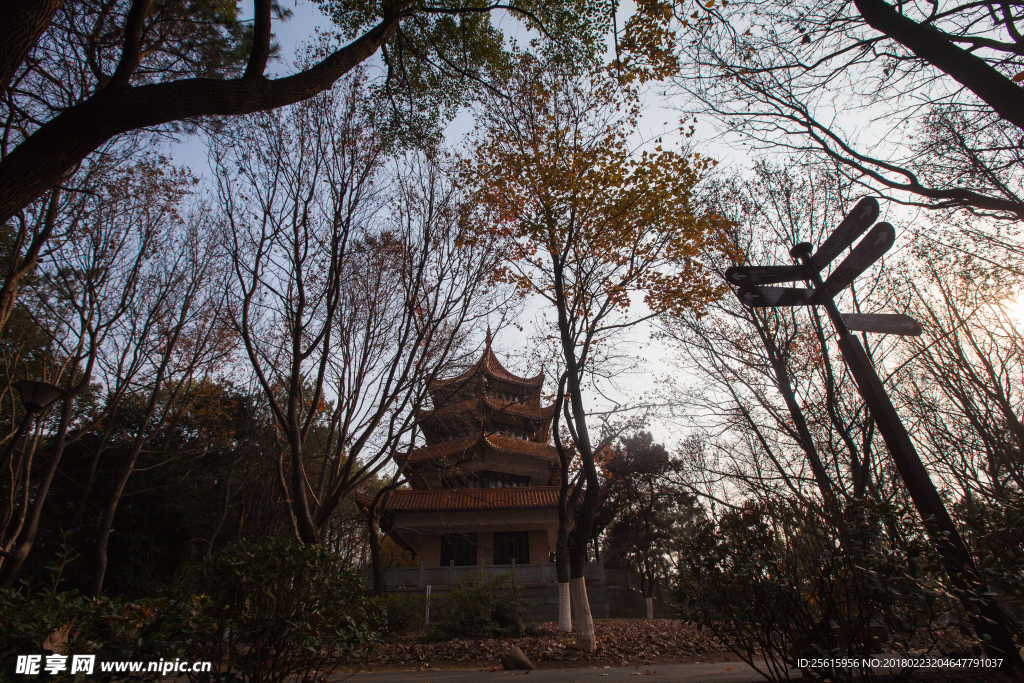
(1019, 77)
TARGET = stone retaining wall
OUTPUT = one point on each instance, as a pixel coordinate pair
(607, 601)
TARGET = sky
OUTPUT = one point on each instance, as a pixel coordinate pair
(659, 119)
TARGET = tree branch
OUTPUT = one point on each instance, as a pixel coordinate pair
(974, 73)
(260, 42)
(131, 53)
(41, 160)
(25, 22)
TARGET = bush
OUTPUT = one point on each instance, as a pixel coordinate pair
(43, 621)
(780, 580)
(995, 529)
(259, 611)
(400, 614)
(282, 609)
(480, 607)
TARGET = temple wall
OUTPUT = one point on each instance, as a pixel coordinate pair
(430, 551)
(485, 547)
(539, 545)
(607, 599)
(476, 521)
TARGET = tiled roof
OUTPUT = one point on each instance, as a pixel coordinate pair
(532, 449)
(473, 405)
(495, 369)
(536, 412)
(498, 442)
(440, 450)
(492, 367)
(429, 500)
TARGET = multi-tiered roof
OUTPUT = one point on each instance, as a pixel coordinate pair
(487, 444)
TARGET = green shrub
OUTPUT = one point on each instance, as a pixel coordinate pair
(283, 609)
(480, 607)
(778, 581)
(259, 611)
(39, 621)
(995, 530)
(400, 614)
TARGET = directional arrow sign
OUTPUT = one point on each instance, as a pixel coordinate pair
(855, 223)
(764, 275)
(888, 323)
(761, 297)
(870, 249)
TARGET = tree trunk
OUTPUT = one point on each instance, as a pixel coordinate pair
(650, 607)
(564, 605)
(90, 478)
(23, 265)
(141, 439)
(795, 411)
(974, 73)
(585, 639)
(584, 517)
(24, 22)
(21, 472)
(224, 509)
(562, 568)
(28, 537)
(373, 527)
(308, 532)
(562, 545)
(107, 524)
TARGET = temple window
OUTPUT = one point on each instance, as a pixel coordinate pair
(458, 548)
(500, 480)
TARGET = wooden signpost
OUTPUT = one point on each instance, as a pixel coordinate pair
(767, 275)
(883, 323)
(992, 625)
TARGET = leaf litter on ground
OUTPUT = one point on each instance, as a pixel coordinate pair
(629, 641)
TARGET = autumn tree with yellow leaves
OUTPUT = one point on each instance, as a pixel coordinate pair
(592, 226)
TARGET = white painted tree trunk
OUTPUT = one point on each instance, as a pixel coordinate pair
(585, 639)
(650, 607)
(564, 613)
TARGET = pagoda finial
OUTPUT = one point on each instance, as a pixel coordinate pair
(488, 339)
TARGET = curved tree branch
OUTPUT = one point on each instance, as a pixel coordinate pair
(38, 163)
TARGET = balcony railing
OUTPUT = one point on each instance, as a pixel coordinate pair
(544, 572)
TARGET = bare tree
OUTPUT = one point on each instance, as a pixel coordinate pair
(937, 109)
(85, 297)
(960, 380)
(178, 340)
(767, 381)
(345, 310)
(590, 223)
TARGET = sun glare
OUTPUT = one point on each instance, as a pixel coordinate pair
(1015, 307)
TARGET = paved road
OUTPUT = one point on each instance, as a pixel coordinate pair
(698, 672)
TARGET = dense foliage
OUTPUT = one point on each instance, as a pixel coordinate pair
(262, 611)
(400, 614)
(282, 609)
(785, 581)
(481, 607)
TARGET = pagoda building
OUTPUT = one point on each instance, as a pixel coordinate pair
(485, 484)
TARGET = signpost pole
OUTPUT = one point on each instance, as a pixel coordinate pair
(989, 620)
